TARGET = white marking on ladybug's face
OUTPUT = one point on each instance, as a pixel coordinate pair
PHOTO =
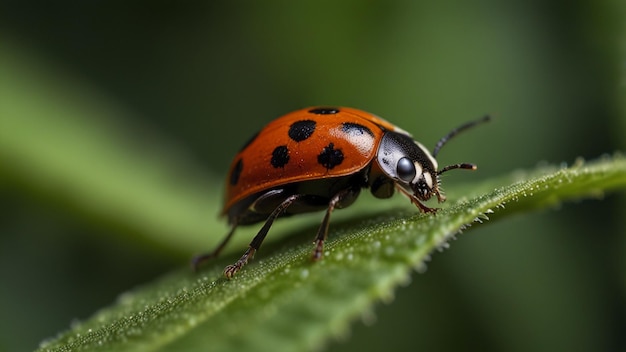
(418, 172)
(428, 178)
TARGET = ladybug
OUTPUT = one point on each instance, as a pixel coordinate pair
(320, 158)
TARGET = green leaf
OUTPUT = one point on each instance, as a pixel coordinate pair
(283, 301)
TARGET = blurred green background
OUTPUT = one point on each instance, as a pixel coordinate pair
(118, 122)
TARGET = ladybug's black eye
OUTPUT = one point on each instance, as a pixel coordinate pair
(405, 169)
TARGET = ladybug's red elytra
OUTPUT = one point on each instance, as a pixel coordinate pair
(320, 158)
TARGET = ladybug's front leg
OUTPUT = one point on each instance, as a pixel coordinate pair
(417, 202)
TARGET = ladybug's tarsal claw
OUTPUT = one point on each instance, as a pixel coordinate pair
(232, 269)
(318, 251)
(424, 208)
(432, 211)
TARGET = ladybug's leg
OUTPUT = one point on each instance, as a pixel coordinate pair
(347, 195)
(199, 259)
(231, 270)
(417, 202)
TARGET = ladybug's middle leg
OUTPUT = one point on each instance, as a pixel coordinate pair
(342, 199)
(231, 270)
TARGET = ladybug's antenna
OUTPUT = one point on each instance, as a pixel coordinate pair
(453, 133)
(457, 166)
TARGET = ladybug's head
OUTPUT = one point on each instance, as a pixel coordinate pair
(412, 168)
(410, 165)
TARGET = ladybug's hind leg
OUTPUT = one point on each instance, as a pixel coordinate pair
(231, 270)
(199, 259)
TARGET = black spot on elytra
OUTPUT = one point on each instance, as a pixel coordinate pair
(280, 156)
(234, 176)
(355, 129)
(301, 130)
(249, 141)
(330, 157)
(324, 111)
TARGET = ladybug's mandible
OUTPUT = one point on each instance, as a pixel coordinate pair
(320, 158)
